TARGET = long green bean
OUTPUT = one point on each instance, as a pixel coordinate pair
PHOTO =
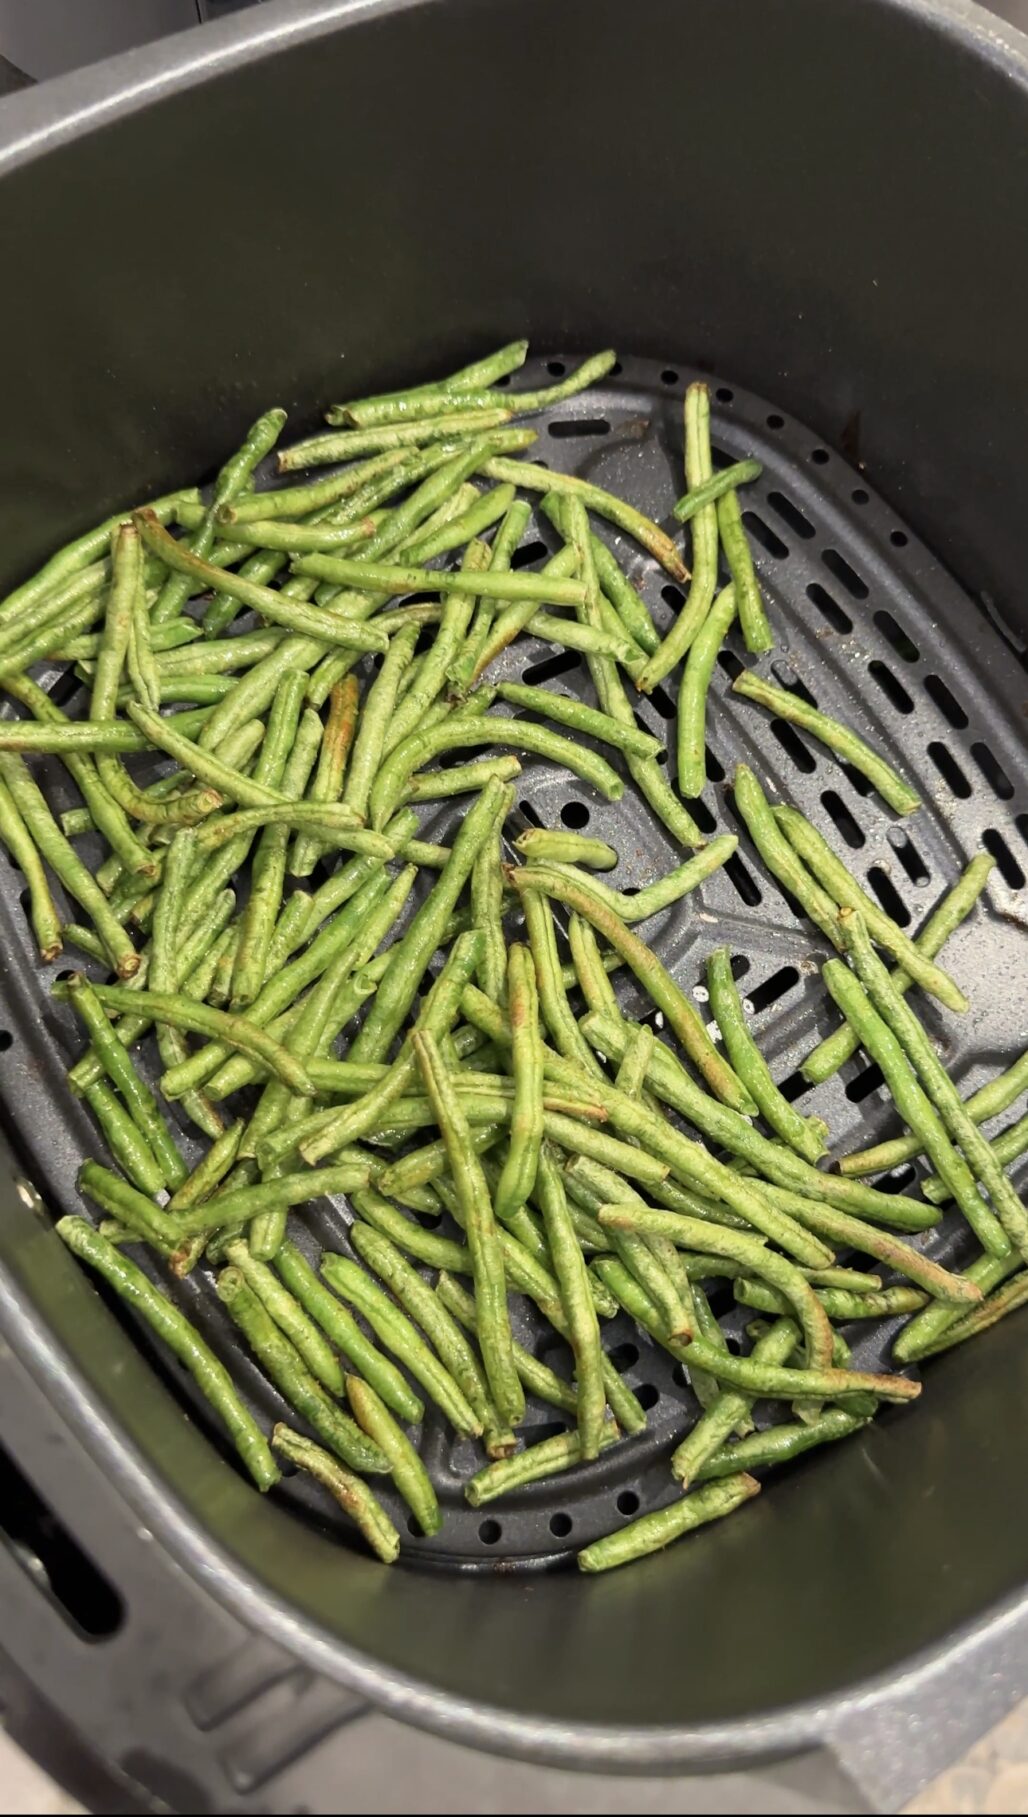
(692, 699)
(339, 1325)
(395, 1330)
(651, 1532)
(805, 1134)
(353, 1495)
(989, 1101)
(406, 1468)
(697, 605)
(846, 743)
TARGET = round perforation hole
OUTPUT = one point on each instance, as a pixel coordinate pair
(561, 1525)
(627, 1502)
(575, 815)
(669, 376)
(6, 1040)
(724, 394)
(490, 1532)
(774, 421)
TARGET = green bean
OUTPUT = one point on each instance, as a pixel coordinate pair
(285, 982)
(346, 1335)
(352, 1494)
(46, 835)
(590, 968)
(240, 1204)
(536, 1377)
(290, 538)
(846, 743)
(629, 606)
(130, 1149)
(171, 1325)
(983, 1317)
(334, 824)
(487, 914)
(665, 890)
(413, 405)
(915, 1107)
(1007, 1147)
(433, 670)
(526, 1131)
(987, 1102)
(804, 1134)
(288, 1315)
(327, 1131)
(831, 871)
(635, 1062)
(325, 450)
(692, 703)
(831, 1053)
(533, 1465)
(938, 1086)
(837, 1304)
(556, 1010)
(393, 579)
(139, 1100)
(693, 1233)
(460, 779)
(392, 450)
(716, 1426)
(63, 737)
(161, 975)
(851, 1232)
(288, 765)
(418, 1301)
(46, 924)
(544, 846)
(482, 372)
(259, 440)
(408, 1235)
(579, 1310)
(278, 608)
(698, 602)
(781, 1444)
(625, 517)
(513, 618)
(377, 711)
(216, 656)
(282, 1363)
(505, 542)
(130, 1206)
(140, 663)
(567, 710)
(740, 473)
(651, 1532)
(209, 1171)
(659, 984)
(174, 636)
(406, 1468)
(394, 1329)
(86, 941)
(486, 1251)
(327, 782)
(687, 1160)
(753, 621)
(412, 953)
(81, 553)
(199, 1018)
(203, 764)
(51, 617)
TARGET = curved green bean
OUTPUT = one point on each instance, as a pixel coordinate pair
(692, 698)
(635, 523)
(394, 1329)
(353, 1495)
(339, 1325)
(568, 710)
(406, 1468)
(846, 743)
(804, 1134)
(652, 1532)
(664, 890)
(740, 473)
(693, 615)
(989, 1101)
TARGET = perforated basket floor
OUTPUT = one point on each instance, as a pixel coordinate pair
(874, 630)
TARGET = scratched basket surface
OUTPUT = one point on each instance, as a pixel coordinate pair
(874, 630)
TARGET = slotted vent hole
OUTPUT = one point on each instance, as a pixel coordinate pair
(740, 966)
(773, 989)
(908, 855)
(1007, 864)
(529, 812)
(791, 514)
(742, 880)
(565, 428)
(794, 1087)
(789, 679)
(529, 552)
(829, 608)
(993, 771)
(888, 895)
(894, 634)
(672, 596)
(793, 745)
(764, 535)
(866, 1082)
(663, 702)
(550, 667)
(842, 819)
(730, 663)
(715, 768)
(847, 577)
(949, 769)
(948, 706)
(891, 686)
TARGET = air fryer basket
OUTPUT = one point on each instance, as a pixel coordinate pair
(661, 1668)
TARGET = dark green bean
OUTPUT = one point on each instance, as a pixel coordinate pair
(394, 1329)
(533, 1465)
(716, 1426)
(804, 1134)
(987, 1102)
(568, 710)
(288, 1315)
(692, 700)
(634, 523)
(781, 1444)
(468, 378)
(579, 1311)
(340, 1326)
(171, 1325)
(407, 1470)
(282, 1362)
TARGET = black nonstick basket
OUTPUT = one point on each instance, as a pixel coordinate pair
(819, 205)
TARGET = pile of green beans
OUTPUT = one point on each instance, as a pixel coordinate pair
(309, 1000)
